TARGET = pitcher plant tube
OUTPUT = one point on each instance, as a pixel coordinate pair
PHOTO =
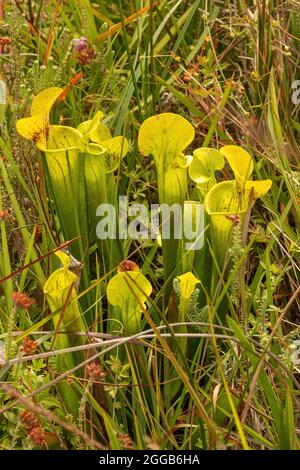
(202, 170)
(61, 296)
(79, 170)
(205, 163)
(187, 286)
(226, 203)
(102, 159)
(165, 136)
(127, 292)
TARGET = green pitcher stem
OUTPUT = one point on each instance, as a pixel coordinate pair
(66, 180)
(101, 189)
(61, 296)
(172, 187)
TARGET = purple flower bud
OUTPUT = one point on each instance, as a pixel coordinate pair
(80, 44)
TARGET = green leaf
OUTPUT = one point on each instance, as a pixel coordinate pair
(267, 386)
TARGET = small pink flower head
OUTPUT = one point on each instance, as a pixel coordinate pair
(94, 371)
(80, 44)
(22, 300)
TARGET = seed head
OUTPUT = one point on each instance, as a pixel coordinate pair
(4, 215)
(29, 420)
(37, 436)
(22, 300)
(29, 346)
(125, 441)
(94, 371)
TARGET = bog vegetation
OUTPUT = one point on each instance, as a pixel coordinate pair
(144, 343)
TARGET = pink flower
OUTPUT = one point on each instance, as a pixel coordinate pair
(80, 44)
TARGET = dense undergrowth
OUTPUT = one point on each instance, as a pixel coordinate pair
(139, 343)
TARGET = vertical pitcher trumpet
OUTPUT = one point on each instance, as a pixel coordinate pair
(165, 136)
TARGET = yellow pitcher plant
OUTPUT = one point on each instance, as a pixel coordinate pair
(79, 164)
(165, 136)
(61, 296)
(227, 202)
(127, 292)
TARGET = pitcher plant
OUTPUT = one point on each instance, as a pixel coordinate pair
(165, 136)
(127, 292)
(227, 202)
(61, 296)
(79, 165)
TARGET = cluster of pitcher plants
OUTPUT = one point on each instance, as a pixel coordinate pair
(81, 167)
